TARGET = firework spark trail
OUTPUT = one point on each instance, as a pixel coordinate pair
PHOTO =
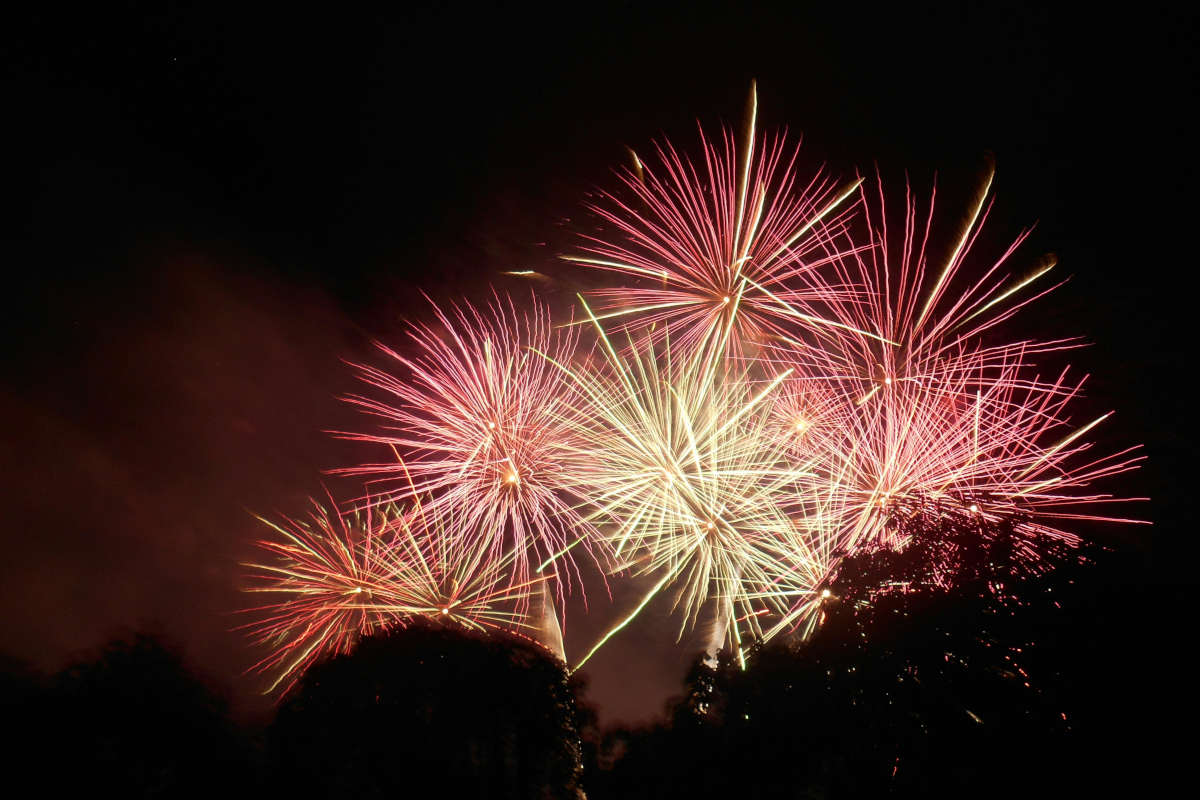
(703, 246)
(480, 427)
(339, 577)
(689, 481)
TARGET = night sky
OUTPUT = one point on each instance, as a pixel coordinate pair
(210, 209)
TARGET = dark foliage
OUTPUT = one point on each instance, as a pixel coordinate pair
(131, 722)
(935, 673)
(450, 712)
(23, 697)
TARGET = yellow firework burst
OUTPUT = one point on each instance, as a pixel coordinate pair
(690, 480)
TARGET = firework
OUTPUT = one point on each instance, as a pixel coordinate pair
(941, 413)
(480, 428)
(718, 247)
(429, 575)
(936, 419)
(809, 415)
(689, 481)
(786, 375)
(337, 577)
(326, 587)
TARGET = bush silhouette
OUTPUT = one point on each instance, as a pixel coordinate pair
(431, 708)
(134, 721)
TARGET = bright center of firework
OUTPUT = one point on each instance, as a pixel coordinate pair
(887, 381)
(725, 299)
(801, 425)
(974, 509)
(491, 426)
(512, 477)
(825, 593)
(711, 532)
(358, 590)
(445, 610)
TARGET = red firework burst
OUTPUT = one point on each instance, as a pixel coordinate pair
(930, 419)
(337, 577)
(327, 585)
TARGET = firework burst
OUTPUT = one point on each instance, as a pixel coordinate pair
(809, 415)
(480, 427)
(936, 420)
(944, 413)
(326, 588)
(717, 247)
(337, 577)
(688, 481)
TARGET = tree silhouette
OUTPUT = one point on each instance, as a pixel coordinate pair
(462, 714)
(135, 722)
(24, 693)
(954, 666)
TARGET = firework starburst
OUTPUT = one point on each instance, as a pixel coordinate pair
(337, 577)
(481, 430)
(689, 481)
(325, 587)
(717, 246)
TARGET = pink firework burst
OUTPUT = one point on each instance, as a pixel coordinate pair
(987, 444)
(478, 420)
(935, 412)
(810, 415)
(733, 240)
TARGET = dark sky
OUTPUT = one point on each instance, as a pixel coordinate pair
(211, 207)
